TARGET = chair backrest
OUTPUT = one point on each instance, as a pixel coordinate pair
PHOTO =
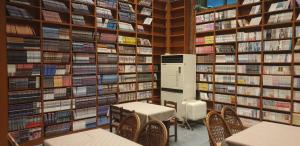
(170, 104)
(233, 122)
(216, 127)
(12, 140)
(130, 127)
(115, 113)
(154, 133)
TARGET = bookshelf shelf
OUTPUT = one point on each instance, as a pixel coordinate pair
(88, 64)
(250, 70)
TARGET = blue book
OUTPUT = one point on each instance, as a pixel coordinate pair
(230, 2)
(215, 3)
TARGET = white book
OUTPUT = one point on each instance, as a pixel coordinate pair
(255, 10)
(255, 21)
(148, 21)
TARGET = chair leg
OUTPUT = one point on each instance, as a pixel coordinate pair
(175, 130)
(168, 130)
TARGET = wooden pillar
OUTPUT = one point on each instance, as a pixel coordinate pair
(3, 77)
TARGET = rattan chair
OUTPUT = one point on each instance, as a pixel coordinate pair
(233, 122)
(130, 127)
(217, 128)
(11, 140)
(154, 133)
(116, 115)
(173, 120)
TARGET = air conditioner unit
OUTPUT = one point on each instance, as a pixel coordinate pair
(178, 80)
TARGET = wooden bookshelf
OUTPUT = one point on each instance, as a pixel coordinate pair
(3, 78)
(180, 17)
(155, 33)
(243, 94)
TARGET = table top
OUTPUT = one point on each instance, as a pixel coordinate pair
(148, 111)
(96, 137)
(146, 108)
(265, 134)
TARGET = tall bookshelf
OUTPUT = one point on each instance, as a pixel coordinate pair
(77, 69)
(180, 17)
(249, 65)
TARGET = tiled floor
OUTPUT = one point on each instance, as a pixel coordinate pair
(197, 137)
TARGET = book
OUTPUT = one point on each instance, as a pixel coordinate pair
(57, 93)
(20, 43)
(144, 95)
(146, 11)
(125, 26)
(250, 47)
(56, 33)
(112, 4)
(53, 57)
(21, 57)
(148, 21)
(28, 96)
(255, 21)
(107, 58)
(18, 12)
(104, 13)
(85, 80)
(280, 18)
(277, 117)
(127, 68)
(53, 69)
(278, 33)
(51, 16)
(255, 10)
(126, 7)
(125, 97)
(23, 70)
(225, 49)
(248, 91)
(84, 91)
(56, 81)
(230, 24)
(84, 58)
(85, 124)
(248, 69)
(83, 47)
(83, 69)
(80, 9)
(147, 3)
(78, 20)
(248, 112)
(280, 6)
(277, 93)
(276, 80)
(248, 101)
(205, 18)
(225, 38)
(56, 45)
(20, 29)
(107, 89)
(55, 5)
(84, 36)
(108, 79)
(205, 27)
(225, 14)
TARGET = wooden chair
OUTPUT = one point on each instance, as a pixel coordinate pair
(154, 133)
(11, 140)
(232, 120)
(173, 120)
(130, 127)
(116, 115)
(217, 128)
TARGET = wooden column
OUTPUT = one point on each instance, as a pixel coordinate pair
(3, 77)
